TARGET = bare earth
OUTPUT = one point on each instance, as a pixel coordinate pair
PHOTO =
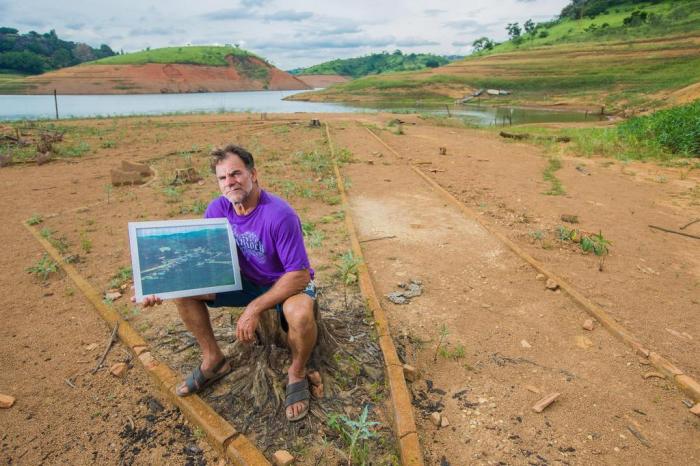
(322, 80)
(153, 78)
(519, 341)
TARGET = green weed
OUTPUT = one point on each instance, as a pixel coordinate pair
(444, 332)
(198, 208)
(556, 189)
(355, 434)
(120, 278)
(43, 268)
(85, 242)
(313, 236)
(35, 219)
(77, 150)
(454, 354)
(109, 144)
(348, 271)
(173, 194)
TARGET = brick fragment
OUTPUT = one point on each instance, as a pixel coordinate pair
(120, 177)
(551, 284)
(588, 325)
(540, 277)
(119, 369)
(544, 402)
(282, 458)
(436, 419)
(444, 422)
(6, 401)
(141, 168)
(696, 409)
(410, 373)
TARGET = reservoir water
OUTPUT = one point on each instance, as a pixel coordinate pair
(33, 107)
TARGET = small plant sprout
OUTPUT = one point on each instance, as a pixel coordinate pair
(444, 333)
(35, 219)
(108, 191)
(312, 235)
(347, 269)
(354, 433)
(599, 245)
(43, 268)
(85, 242)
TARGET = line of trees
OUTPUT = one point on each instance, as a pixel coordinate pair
(376, 63)
(578, 9)
(34, 53)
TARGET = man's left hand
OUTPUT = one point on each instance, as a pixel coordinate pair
(246, 325)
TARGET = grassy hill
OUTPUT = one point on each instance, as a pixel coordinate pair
(375, 63)
(620, 66)
(191, 55)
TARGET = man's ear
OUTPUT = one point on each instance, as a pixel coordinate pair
(254, 174)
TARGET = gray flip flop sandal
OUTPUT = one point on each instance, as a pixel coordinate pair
(296, 392)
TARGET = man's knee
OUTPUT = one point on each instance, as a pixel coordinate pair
(299, 314)
(192, 302)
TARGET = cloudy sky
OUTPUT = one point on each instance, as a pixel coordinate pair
(288, 33)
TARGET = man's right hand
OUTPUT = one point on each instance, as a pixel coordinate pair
(148, 301)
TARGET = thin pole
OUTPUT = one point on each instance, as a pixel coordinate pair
(55, 102)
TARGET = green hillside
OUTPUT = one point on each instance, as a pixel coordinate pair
(375, 63)
(192, 55)
(646, 55)
(621, 21)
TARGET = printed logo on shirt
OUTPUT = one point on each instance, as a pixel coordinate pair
(251, 246)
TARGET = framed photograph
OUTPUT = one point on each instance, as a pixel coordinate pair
(178, 258)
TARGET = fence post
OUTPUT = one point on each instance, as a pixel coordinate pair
(55, 102)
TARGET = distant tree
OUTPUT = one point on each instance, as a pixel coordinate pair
(529, 27)
(26, 62)
(432, 63)
(83, 52)
(5, 30)
(514, 30)
(482, 43)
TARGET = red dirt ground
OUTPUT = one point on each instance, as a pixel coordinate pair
(489, 301)
(322, 80)
(153, 78)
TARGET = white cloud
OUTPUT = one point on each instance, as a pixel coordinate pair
(290, 33)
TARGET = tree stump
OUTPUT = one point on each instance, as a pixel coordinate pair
(259, 364)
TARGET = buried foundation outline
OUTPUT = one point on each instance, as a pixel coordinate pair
(221, 434)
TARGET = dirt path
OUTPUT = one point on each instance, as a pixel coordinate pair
(50, 333)
(514, 334)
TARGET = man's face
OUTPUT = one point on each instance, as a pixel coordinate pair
(236, 182)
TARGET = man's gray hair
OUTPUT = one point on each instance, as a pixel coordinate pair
(220, 153)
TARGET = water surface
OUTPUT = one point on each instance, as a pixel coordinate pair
(32, 107)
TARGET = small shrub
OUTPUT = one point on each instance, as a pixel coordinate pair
(43, 268)
(355, 434)
(120, 278)
(35, 219)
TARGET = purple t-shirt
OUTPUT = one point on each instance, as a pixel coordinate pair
(269, 239)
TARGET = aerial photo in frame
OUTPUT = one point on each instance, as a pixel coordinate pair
(177, 258)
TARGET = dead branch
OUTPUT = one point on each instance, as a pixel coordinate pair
(674, 232)
(110, 342)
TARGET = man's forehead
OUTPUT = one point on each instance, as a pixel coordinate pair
(229, 164)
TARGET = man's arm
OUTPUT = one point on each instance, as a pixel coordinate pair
(289, 284)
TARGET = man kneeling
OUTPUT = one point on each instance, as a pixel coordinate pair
(275, 274)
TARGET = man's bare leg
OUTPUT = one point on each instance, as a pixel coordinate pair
(299, 312)
(195, 315)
